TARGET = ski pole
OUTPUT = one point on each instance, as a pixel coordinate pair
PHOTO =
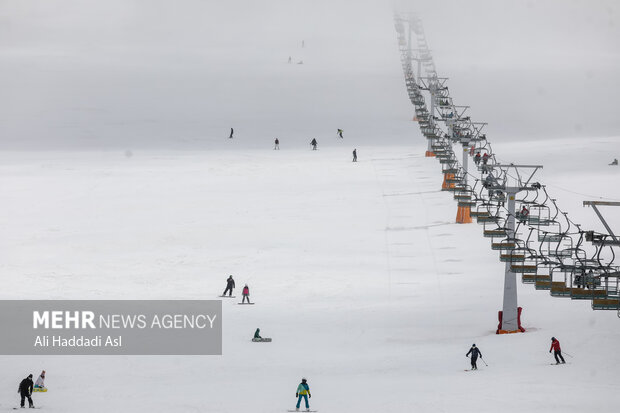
(485, 363)
(567, 354)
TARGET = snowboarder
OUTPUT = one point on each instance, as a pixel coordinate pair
(354, 155)
(277, 145)
(340, 133)
(477, 158)
(230, 285)
(614, 162)
(231, 133)
(303, 391)
(257, 334)
(313, 142)
(475, 352)
(557, 351)
(40, 383)
(25, 391)
(246, 294)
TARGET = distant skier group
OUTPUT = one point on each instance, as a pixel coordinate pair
(314, 143)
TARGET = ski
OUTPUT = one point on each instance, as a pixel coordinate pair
(246, 303)
(228, 296)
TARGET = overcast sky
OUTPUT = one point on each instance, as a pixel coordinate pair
(124, 73)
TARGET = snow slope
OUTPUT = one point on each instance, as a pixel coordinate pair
(359, 274)
(361, 278)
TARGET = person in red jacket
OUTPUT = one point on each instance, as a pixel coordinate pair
(246, 294)
(557, 351)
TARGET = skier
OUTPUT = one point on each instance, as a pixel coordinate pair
(246, 294)
(614, 162)
(257, 334)
(231, 133)
(230, 285)
(40, 383)
(303, 44)
(485, 158)
(289, 60)
(557, 351)
(340, 133)
(277, 145)
(477, 158)
(475, 352)
(303, 391)
(25, 391)
(313, 142)
(354, 155)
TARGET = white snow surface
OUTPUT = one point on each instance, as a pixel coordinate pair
(360, 276)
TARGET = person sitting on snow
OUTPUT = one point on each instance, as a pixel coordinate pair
(40, 383)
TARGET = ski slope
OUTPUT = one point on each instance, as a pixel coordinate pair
(361, 278)
(118, 181)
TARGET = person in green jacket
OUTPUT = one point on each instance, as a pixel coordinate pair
(303, 391)
(257, 334)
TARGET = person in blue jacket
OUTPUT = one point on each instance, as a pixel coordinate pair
(303, 392)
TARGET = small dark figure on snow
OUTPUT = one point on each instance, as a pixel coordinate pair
(257, 334)
(303, 392)
(276, 145)
(290, 59)
(475, 352)
(614, 162)
(25, 391)
(354, 155)
(231, 133)
(313, 142)
(477, 158)
(230, 286)
(246, 294)
(340, 133)
(557, 351)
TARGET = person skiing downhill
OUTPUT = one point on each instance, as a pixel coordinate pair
(276, 144)
(40, 383)
(557, 351)
(303, 392)
(231, 133)
(340, 133)
(313, 142)
(25, 391)
(475, 352)
(230, 285)
(354, 155)
(246, 294)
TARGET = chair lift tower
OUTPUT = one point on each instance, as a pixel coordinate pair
(510, 317)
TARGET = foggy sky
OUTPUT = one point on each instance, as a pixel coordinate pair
(152, 73)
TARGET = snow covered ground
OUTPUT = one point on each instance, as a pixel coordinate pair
(117, 182)
(360, 276)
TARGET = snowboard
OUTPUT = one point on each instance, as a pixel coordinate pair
(262, 340)
(19, 408)
(228, 296)
(40, 389)
(246, 303)
(300, 410)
